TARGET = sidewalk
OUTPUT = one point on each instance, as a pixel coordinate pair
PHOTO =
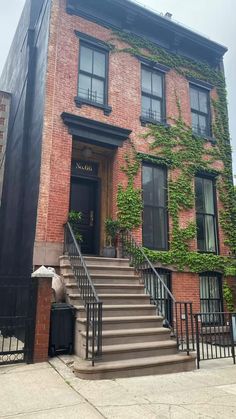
(44, 391)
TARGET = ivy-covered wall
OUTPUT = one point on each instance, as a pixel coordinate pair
(185, 154)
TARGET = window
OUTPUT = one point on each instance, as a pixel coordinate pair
(161, 296)
(155, 235)
(152, 95)
(211, 295)
(206, 214)
(93, 74)
(200, 110)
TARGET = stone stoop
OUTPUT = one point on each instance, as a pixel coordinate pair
(135, 343)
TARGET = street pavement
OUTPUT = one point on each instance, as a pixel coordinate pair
(50, 390)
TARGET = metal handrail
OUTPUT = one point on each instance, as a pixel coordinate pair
(88, 294)
(160, 294)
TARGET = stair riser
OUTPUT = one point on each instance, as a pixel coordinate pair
(138, 372)
(116, 281)
(93, 270)
(106, 262)
(119, 289)
(126, 325)
(139, 299)
(131, 325)
(129, 312)
(114, 301)
(133, 339)
(121, 356)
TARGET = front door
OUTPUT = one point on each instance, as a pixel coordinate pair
(84, 198)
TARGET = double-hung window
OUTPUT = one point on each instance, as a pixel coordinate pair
(152, 95)
(200, 110)
(211, 296)
(206, 215)
(155, 232)
(93, 74)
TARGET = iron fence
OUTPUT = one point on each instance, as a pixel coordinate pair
(215, 335)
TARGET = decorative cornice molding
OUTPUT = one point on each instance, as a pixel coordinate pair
(95, 132)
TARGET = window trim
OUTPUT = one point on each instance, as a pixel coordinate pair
(95, 45)
(164, 168)
(157, 70)
(206, 89)
(211, 177)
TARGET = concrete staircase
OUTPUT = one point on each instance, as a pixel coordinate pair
(134, 341)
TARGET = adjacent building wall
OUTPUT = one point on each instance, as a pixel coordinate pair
(24, 78)
(5, 101)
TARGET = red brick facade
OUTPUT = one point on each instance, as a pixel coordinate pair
(124, 96)
(43, 309)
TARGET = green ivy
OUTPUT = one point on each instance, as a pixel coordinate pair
(228, 297)
(178, 148)
(129, 198)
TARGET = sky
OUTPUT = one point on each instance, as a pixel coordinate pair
(212, 18)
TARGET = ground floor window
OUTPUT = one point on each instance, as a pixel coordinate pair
(211, 299)
(159, 294)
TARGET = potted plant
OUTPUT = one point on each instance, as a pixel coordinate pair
(74, 219)
(111, 229)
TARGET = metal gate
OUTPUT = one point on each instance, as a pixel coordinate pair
(17, 319)
(215, 335)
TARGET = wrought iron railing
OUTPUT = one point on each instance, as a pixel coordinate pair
(215, 336)
(177, 315)
(88, 295)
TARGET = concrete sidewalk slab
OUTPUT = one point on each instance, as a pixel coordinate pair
(35, 391)
(50, 391)
(201, 394)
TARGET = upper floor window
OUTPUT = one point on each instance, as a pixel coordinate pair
(200, 110)
(206, 215)
(152, 95)
(93, 74)
(155, 230)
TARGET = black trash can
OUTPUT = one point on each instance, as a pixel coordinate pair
(61, 339)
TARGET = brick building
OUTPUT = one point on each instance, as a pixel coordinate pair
(99, 86)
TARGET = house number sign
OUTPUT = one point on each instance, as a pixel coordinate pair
(84, 168)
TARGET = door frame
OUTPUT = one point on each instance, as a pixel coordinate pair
(96, 180)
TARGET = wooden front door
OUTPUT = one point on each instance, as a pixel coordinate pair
(85, 199)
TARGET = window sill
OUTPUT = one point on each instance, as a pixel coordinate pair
(145, 121)
(82, 101)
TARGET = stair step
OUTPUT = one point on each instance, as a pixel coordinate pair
(137, 350)
(110, 269)
(126, 336)
(115, 279)
(127, 322)
(123, 310)
(135, 367)
(110, 288)
(120, 288)
(90, 260)
(116, 298)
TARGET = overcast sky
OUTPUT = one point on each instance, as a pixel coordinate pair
(213, 18)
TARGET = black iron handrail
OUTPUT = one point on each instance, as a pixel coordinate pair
(88, 295)
(160, 295)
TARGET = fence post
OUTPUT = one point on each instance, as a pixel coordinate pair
(197, 340)
(232, 337)
(43, 278)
